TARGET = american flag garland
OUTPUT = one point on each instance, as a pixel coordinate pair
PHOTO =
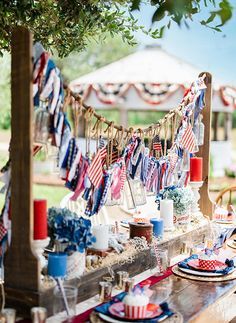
(95, 170)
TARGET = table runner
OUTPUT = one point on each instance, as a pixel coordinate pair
(83, 317)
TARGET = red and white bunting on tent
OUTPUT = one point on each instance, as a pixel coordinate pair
(228, 95)
(109, 93)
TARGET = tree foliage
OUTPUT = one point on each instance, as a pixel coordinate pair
(68, 25)
(65, 24)
(184, 10)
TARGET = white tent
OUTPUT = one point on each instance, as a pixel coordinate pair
(153, 80)
(149, 79)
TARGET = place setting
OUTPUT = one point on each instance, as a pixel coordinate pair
(210, 264)
(136, 305)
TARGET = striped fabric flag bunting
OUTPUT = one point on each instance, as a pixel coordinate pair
(122, 175)
(3, 231)
(188, 139)
(173, 160)
(156, 144)
(95, 170)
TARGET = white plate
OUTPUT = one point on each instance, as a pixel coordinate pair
(202, 273)
(112, 320)
(225, 221)
(126, 222)
(231, 244)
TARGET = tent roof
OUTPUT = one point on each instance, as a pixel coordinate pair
(149, 65)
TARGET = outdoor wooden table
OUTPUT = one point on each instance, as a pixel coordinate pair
(196, 301)
(200, 302)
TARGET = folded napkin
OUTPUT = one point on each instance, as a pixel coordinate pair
(225, 234)
(230, 265)
(104, 309)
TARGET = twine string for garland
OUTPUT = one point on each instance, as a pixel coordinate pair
(112, 142)
(173, 128)
(166, 128)
(173, 115)
(120, 145)
(88, 117)
(109, 131)
(149, 134)
(95, 132)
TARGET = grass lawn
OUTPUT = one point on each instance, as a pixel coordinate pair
(52, 194)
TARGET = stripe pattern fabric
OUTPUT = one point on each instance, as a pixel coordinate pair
(188, 139)
(95, 170)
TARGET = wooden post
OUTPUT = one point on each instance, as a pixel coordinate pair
(227, 125)
(21, 266)
(215, 125)
(206, 205)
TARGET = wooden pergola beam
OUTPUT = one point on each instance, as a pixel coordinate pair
(21, 266)
(206, 205)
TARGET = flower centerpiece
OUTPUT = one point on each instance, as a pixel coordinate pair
(72, 234)
(183, 199)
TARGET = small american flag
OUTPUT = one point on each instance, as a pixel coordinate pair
(114, 154)
(101, 143)
(103, 152)
(95, 170)
(188, 139)
(156, 144)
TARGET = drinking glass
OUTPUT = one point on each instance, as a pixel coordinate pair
(71, 294)
(128, 284)
(160, 294)
(38, 314)
(121, 276)
(105, 291)
(9, 314)
(161, 261)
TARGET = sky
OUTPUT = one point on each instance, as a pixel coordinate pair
(212, 51)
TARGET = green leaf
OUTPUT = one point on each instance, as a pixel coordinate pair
(135, 4)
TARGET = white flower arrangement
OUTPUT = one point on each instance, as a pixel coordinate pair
(182, 197)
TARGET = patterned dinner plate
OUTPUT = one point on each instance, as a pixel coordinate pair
(203, 273)
(194, 263)
(118, 310)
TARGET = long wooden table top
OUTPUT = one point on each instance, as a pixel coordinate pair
(200, 301)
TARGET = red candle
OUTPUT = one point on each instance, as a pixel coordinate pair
(40, 220)
(196, 169)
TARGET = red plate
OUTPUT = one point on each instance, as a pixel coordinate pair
(194, 263)
(118, 310)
